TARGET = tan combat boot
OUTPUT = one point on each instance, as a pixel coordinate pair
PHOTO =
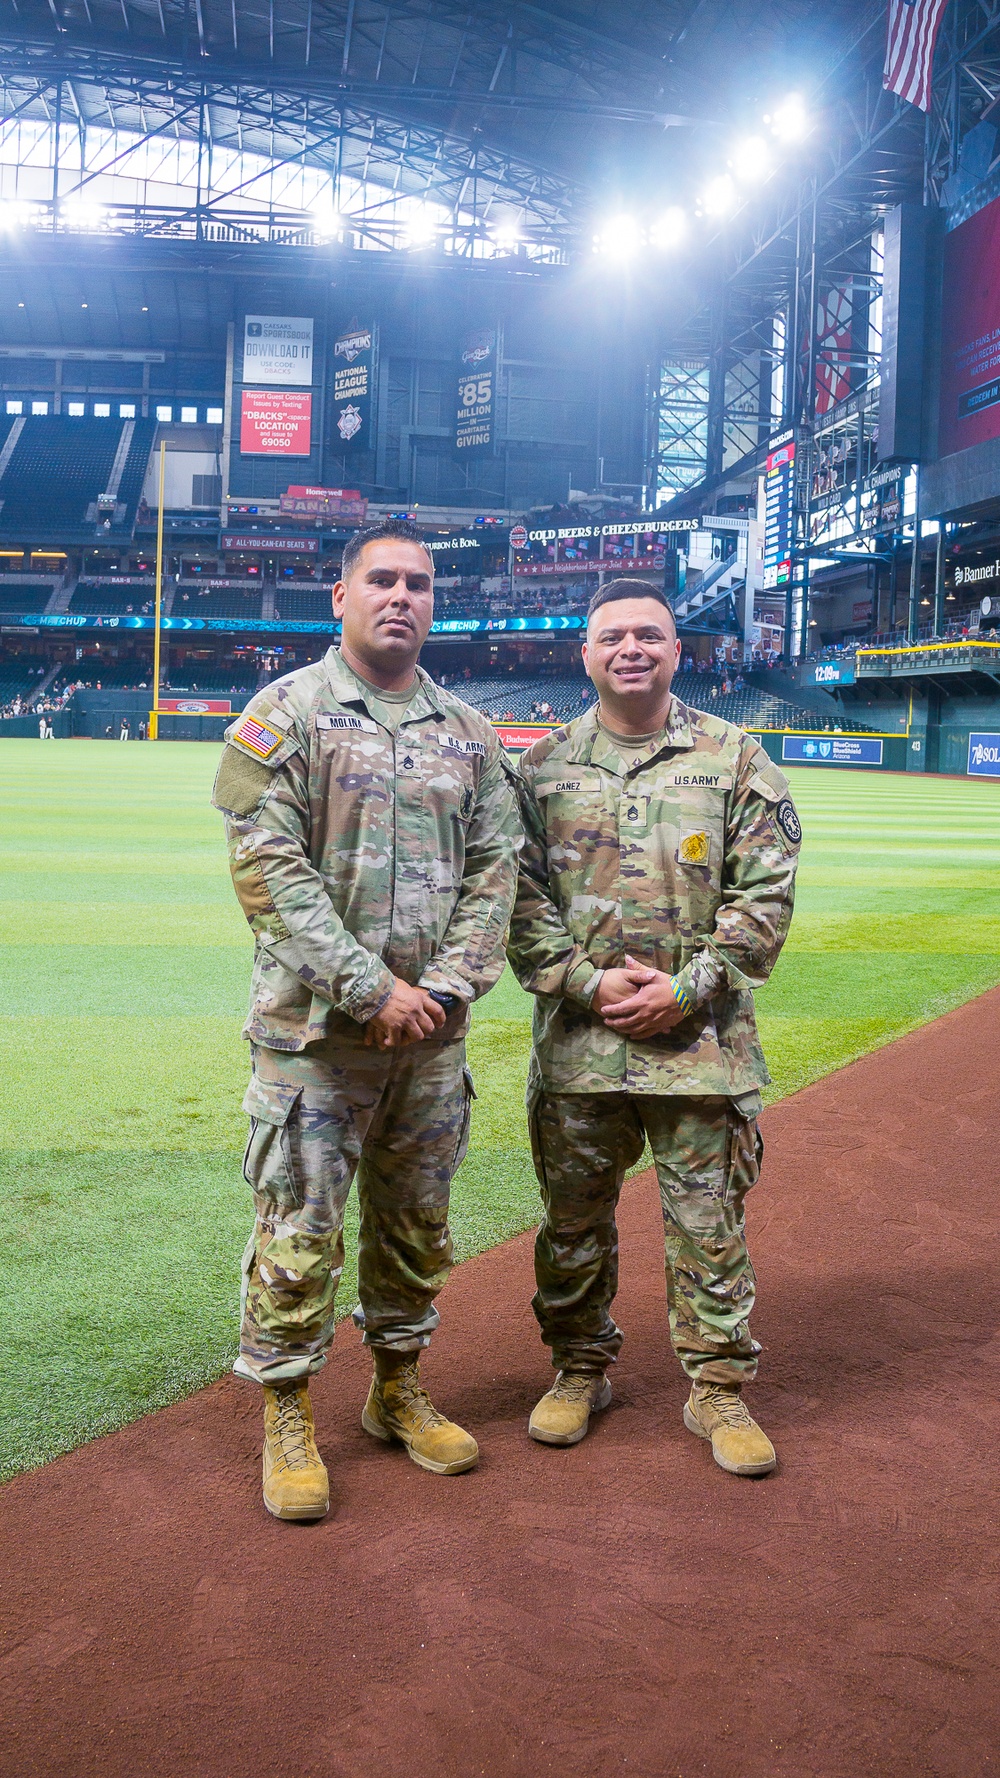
(563, 1414)
(716, 1412)
(398, 1407)
(296, 1485)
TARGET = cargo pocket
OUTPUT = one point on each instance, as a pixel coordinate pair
(469, 1092)
(746, 1147)
(270, 1160)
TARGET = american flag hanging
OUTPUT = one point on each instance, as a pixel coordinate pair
(909, 50)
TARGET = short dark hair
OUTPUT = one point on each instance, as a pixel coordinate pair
(401, 529)
(629, 588)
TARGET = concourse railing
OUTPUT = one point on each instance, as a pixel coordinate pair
(962, 656)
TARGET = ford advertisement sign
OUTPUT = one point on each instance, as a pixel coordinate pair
(984, 756)
(832, 750)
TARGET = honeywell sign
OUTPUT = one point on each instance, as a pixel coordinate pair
(274, 423)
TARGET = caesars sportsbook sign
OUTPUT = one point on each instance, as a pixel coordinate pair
(276, 401)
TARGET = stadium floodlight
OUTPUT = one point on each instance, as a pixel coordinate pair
(751, 160)
(719, 196)
(789, 121)
(619, 236)
(420, 228)
(670, 229)
(507, 237)
(15, 215)
(79, 213)
(326, 224)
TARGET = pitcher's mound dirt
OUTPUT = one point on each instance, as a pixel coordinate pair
(620, 1607)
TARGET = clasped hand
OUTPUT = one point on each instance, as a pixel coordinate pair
(408, 1015)
(636, 1001)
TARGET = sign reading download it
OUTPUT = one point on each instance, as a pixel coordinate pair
(984, 756)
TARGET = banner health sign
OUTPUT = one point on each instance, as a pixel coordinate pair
(832, 750)
(984, 756)
(475, 415)
(354, 388)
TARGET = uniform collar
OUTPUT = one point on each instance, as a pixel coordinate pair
(348, 689)
(588, 733)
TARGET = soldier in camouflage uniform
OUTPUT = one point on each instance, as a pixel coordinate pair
(373, 840)
(655, 893)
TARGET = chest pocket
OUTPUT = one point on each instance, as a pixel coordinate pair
(578, 817)
(693, 815)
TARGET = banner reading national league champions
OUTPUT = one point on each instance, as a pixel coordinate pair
(354, 388)
(475, 416)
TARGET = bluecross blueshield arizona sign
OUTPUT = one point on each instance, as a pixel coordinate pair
(833, 750)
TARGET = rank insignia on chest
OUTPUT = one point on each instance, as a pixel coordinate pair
(258, 737)
(633, 811)
(694, 848)
(407, 763)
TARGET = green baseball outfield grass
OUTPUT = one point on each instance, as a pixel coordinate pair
(125, 966)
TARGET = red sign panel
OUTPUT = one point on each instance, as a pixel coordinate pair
(275, 423)
(195, 707)
(516, 736)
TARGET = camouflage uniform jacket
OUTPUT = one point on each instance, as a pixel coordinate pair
(685, 859)
(358, 855)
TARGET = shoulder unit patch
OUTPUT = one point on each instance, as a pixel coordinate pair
(788, 821)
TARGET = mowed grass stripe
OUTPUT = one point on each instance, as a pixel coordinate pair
(125, 966)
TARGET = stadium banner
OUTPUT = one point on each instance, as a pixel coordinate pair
(476, 406)
(779, 479)
(278, 350)
(355, 356)
(514, 737)
(275, 424)
(454, 626)
(970, 330)
(324, 503)
(196, 707)
(279, 546)
(538, 570)
(832, 750)
(984, 756)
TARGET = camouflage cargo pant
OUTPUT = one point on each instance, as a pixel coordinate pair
(707, 1154)
(400, 1120)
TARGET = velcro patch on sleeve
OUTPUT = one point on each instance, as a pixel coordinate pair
(788, 821)
(258, 736)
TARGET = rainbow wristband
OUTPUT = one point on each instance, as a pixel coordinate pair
(681, 995)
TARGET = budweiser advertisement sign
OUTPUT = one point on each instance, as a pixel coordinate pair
(516, 736)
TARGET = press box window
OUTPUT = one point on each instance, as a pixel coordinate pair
(39, 407)
(76, 409)
(126, 410)
(15, 407)
(213, 416)
(164, 413)
(102, 410)
(189, 416)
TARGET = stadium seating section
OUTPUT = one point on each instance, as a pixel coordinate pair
(302, 603)
(25, 597)
(751, 708)
(217, 602)
(59, 466)
(112, 601)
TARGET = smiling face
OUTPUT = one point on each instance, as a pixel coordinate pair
(632, 654)
(386, 606)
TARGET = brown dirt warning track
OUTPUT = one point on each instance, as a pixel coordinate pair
(623, 1607)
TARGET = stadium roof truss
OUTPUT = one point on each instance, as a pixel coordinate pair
(477, 110)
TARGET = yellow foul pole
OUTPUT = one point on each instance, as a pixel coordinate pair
(154, 715)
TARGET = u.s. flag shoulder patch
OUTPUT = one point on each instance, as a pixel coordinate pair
(259, 737)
